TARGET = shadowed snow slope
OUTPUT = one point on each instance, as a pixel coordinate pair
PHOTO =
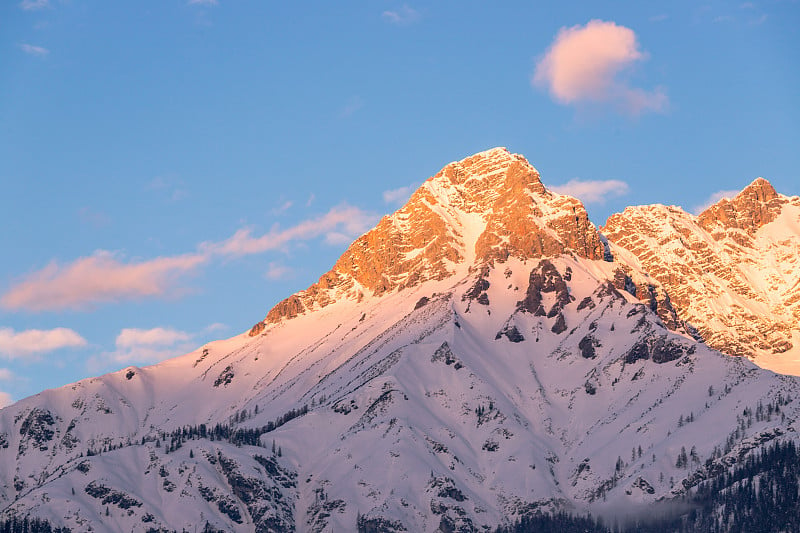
(476, 357)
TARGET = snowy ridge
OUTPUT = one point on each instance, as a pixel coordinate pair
(475, 358)
(732, 272)
(486, 207)
(453, 411)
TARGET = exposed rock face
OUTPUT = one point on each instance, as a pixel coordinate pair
(733, 272)
(650, 292)
(458, 404)
(481, 210)
(256, 329)
(729, 276)
(758, 204)
(545, 278)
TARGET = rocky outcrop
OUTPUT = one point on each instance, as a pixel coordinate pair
(478, 211)
(731, 272)
(757, 205)
(545, 278)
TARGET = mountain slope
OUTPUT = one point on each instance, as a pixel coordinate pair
(488, 206)
(733, 271)
(475, 358)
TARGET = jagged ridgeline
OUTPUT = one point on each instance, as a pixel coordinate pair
(483, 358)
(733, 271)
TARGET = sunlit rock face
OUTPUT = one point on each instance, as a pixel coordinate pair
(480, 356)
(733, 271)
(482, 209)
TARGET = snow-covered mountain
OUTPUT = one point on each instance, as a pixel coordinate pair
(478, 356)
(733, 271)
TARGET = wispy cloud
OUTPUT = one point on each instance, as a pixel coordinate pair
(585, 63)
(659, 18)
(131, 337)
(30, 342)
(277, 271)
(168, 186)
(714, 198)
(281, 209)
(6, 374)
(592, 191)
(105, 278)
(5, 399)
(757, 21)
(143, 346)
(33, 5)
(342, 220)
(216, 326)
(354, 104)
(34, 50)
(202, 3)
(400, 195)
(98, 219)
(402, 16)
(97, 279)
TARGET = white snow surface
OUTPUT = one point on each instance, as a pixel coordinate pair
(456, 404)
(415, 416)
(760, 288)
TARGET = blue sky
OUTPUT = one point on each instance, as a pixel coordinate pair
(172, 169)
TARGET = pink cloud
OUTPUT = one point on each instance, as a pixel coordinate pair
(585, 63)
(36, 341)
(5, 399)
(339, 221)
(276, 271)
(103, 278)
(33, 5)
(95, 279)
(130, 337)
(400, 195)
(592, 191)
(402, 16)
(147, 346)
(714, 198)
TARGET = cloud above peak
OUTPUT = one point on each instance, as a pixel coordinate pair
(402, 16)
(130, 337)
(342, 221)
(714, 198)
(30, 49)
(34, 5)
(400, 195)
(592, 191)
(105, 277)
(588, 64)
(144, 346)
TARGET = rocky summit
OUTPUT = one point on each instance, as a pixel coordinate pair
(484, 355)
(733, 271)
(483, 209)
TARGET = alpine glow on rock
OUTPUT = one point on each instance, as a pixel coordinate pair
(481, 355)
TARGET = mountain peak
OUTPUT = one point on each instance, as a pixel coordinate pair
(484, 176)
(731, 271)
(756, 205)
(483, 209)
(760, 188)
